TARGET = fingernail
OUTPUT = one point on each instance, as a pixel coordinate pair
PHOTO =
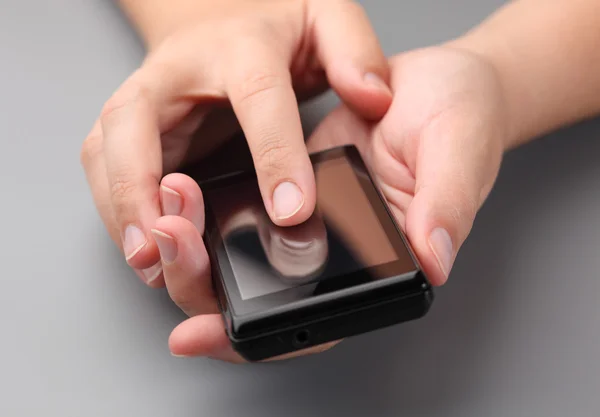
(166, 246)
(179, 356)
(133, 242)
(287, 200)
(172, 201)
(150, 274)
(441, 245)
(376, 81)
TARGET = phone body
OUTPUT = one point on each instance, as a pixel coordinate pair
(347, 270)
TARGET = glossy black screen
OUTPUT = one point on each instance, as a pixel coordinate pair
(350, 231)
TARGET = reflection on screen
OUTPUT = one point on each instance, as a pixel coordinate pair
(343, 235)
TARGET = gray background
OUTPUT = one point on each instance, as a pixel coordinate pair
(514, 333)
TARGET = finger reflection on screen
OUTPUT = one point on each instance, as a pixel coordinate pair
(298, 253)
(343, 236)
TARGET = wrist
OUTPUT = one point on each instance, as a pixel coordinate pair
(497, 56)
(546, 56)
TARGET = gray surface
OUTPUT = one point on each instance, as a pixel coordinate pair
(515, 332)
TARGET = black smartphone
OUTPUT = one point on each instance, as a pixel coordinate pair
(347, 270)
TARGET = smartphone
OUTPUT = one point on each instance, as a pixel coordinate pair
(347, 270)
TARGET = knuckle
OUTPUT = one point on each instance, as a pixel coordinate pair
(132, 90)
(465, 208)
(122, 186)
(183, 300)
(91, 149)
(273, 153)
(128, 190)
(254, 85)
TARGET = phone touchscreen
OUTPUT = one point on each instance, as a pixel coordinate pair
(351, 231)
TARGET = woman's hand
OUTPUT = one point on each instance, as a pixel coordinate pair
(259, 56)
(435, 154)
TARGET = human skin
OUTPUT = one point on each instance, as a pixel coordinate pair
(457, 107)
(256, 56)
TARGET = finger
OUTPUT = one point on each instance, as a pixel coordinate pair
(205, 336)
(133, 161)
(263, 99)
(153, 100)
(92, 159)
(456, 168)
(353, 59)
(181, 196)
(186, 266)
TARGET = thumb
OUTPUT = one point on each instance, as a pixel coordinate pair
(352, 57)
(456, 168)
